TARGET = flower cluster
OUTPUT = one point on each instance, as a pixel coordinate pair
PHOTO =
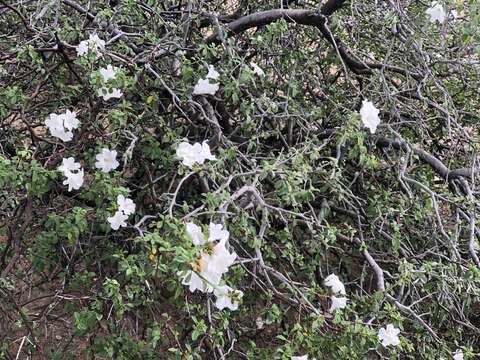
(73, 172)
(207, 270)
(126, 207)
(204, 86)
(93, 44)
(194, 154)
(337, 287)
(61, 125)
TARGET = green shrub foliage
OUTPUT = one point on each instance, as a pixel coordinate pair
(239, 179)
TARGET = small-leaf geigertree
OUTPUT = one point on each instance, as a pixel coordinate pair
(239, 179)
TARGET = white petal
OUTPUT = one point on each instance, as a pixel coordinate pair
(335, 284)
(369, 115)
(212, 73)
(69, 165)
(203, 87)
(257, 69)
(338, 303)
(458, 355)
(216, 232)
(195, 233)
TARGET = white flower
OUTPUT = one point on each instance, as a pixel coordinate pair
(304, 357)
(203, 87)
(69, 165)
(108, 73)
(82, 48)
(55, 124)
(436, 12)
(94, 44)
(335, 284)
(117, 220)
(216, 232)
(458, 355)
(107, 160)
(257, 69)
(338, 303)
(212, 73)
(73, 180)
(195, 233)
(107, 94)
(70, 120)
(125, 205)
(227, 297)
(369, 115)
(194, 154)
(389, 335)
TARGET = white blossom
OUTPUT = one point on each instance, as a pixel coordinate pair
(74, 180)
(125, 205)
(369, 115)
(303, 357)
(436, 12)
(257, 69)
(69, 165)
(94, 44)
(108, 73)
(82, 48)
(389, 335)
(204, 87)
(118, 220)
(212, 73)
(107, 160)
(107, 94)
(195, 233)
(338, 303)
(194, 154)
(216, 232)
(458, 355)
(335, 284)
(227, 297)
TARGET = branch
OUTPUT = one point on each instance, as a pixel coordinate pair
(437, 165)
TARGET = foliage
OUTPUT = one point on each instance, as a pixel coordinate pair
(275, 147)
